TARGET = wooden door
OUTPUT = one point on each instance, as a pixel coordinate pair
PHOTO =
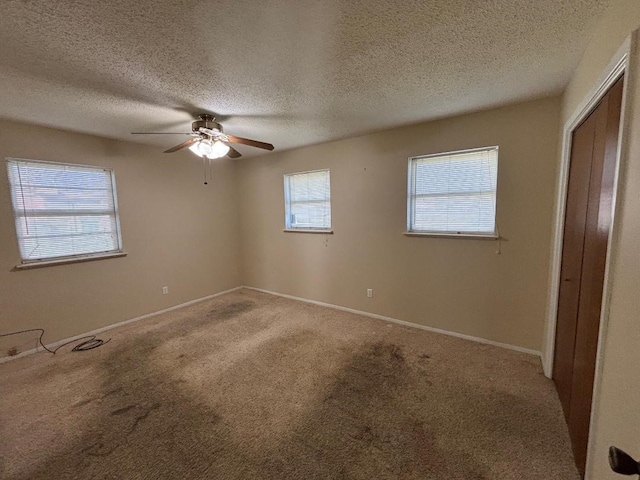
(586, 233)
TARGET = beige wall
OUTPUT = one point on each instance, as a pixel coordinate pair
(460, 285)
(177, 232)
(618, 21)
(617, 411)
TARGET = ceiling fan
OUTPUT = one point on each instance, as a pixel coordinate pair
(209, 141)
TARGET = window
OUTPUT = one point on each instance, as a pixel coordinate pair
(453, 193)
(307, 198)
(63, 211)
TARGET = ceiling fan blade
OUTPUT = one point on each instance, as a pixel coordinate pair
(233, 153)
(246, 141)
(188, 143)
(161, 133)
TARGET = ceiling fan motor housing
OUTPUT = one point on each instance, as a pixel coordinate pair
(206, 121)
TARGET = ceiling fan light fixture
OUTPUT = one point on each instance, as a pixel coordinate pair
(219, 149)
(207, 140)
(205, 147)
(195, 148)
(210, 149)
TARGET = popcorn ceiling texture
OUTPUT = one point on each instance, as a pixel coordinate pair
(289, 72)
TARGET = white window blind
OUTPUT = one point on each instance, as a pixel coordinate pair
(63, 211)
(308, 200)
(453, 193)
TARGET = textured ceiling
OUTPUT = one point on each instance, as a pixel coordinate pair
(291, 72)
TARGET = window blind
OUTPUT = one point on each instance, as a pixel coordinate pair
(308, 200)
(63, 210)
(453, 193)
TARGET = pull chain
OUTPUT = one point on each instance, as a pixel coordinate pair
(204, 169)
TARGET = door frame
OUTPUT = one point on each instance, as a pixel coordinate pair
(618, 66)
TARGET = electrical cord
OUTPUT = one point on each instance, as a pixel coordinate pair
(90, 343)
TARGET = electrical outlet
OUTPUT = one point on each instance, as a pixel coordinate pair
(165, 290)
(369, 292)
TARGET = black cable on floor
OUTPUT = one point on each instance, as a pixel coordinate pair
(89, 344)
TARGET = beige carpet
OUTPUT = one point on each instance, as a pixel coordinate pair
(252, 386)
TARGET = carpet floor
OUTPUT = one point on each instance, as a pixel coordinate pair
(254, 386)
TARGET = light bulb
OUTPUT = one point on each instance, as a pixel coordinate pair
(195, 148)
(205, 147)
(218, 149)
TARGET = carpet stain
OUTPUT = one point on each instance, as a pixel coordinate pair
(144, 414)
(214, 418)
(112, 392)
(99, 449)
(122, 410)
(83, 402)
(364, 434)
(225, 312)
(302, 393)
(425, 445)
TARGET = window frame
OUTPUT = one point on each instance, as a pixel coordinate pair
(65, 259)
(287, 205)
(411, 232)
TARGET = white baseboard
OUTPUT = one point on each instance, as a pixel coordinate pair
(300, 299)
(403, 322)
(53, 345)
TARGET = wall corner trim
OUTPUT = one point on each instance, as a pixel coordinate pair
(402, 322)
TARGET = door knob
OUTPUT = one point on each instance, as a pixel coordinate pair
(622, 462)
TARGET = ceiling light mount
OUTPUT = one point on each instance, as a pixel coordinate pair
(206, 121)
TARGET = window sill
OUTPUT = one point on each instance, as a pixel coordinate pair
(306, 230)
(51, 263)
(452, 235)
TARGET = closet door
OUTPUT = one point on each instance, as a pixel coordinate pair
(586, 233)
(571, 267)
